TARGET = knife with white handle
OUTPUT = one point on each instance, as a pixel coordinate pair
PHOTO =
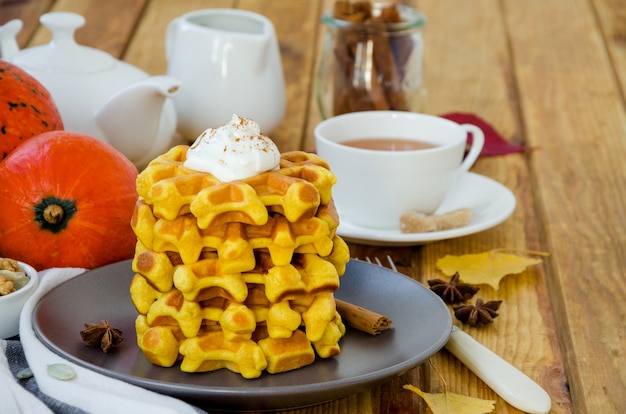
(507, 381)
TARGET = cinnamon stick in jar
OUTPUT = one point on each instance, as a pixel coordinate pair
(362, 319)
(371, 62)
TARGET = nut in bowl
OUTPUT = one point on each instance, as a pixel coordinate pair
(13, 301)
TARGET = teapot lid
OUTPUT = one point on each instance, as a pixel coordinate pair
(63, 54)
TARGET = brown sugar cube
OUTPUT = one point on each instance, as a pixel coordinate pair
(417, 222)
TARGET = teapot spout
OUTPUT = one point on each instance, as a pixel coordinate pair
(139, 119)
(8, 38)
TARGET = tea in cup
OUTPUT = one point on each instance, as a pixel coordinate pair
(390, 162)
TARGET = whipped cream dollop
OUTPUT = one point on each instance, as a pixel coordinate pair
(233, 151)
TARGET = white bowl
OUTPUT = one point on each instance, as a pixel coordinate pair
(11, 305)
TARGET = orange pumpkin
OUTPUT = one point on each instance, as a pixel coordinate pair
(26, 108)
(67, 201)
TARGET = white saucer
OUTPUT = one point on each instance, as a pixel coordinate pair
(490, 201)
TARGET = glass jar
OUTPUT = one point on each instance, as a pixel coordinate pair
(370, 65)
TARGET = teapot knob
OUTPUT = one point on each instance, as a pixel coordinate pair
(62, 25)
(63, 55)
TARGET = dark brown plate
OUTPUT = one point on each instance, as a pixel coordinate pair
(421, 326)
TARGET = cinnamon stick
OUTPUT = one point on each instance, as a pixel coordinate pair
(371, 63)
(362, 319)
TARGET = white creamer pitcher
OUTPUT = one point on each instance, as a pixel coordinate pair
(228, 63)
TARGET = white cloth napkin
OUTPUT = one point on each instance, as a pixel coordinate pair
(13, 397)
(89, 390)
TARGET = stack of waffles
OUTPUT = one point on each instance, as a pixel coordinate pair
(237, 275)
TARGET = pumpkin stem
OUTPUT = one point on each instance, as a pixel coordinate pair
(54, 214)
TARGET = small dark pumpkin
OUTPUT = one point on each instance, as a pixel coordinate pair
(26, 108)
(67, 201)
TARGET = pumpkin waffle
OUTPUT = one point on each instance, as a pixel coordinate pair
(237, 275)
(212, 351)
(299, 294)
(236, 240)
(285, 354)
(160, 344)
(156, 267)
(296, 190)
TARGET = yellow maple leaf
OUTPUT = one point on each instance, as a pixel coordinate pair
(486, 268)
(450, 403)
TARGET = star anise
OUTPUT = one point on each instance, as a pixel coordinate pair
(453, 291)
(482, 313)
(101, 334)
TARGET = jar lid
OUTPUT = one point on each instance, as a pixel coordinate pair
(410, 19)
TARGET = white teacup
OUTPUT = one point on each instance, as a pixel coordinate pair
(228, 62)
(375, 187)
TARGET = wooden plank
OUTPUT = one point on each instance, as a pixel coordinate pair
(105, 27)
(612, 19)
(579, 175)
(314, 117)
(468, 68)
(295, 24)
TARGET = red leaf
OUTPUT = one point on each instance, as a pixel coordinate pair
(495, 144)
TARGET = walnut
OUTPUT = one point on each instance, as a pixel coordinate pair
(10, 265)
(12, 276)
(6, 286)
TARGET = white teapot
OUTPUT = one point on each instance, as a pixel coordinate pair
(95, 93)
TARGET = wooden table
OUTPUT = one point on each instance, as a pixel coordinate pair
(550, 74)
